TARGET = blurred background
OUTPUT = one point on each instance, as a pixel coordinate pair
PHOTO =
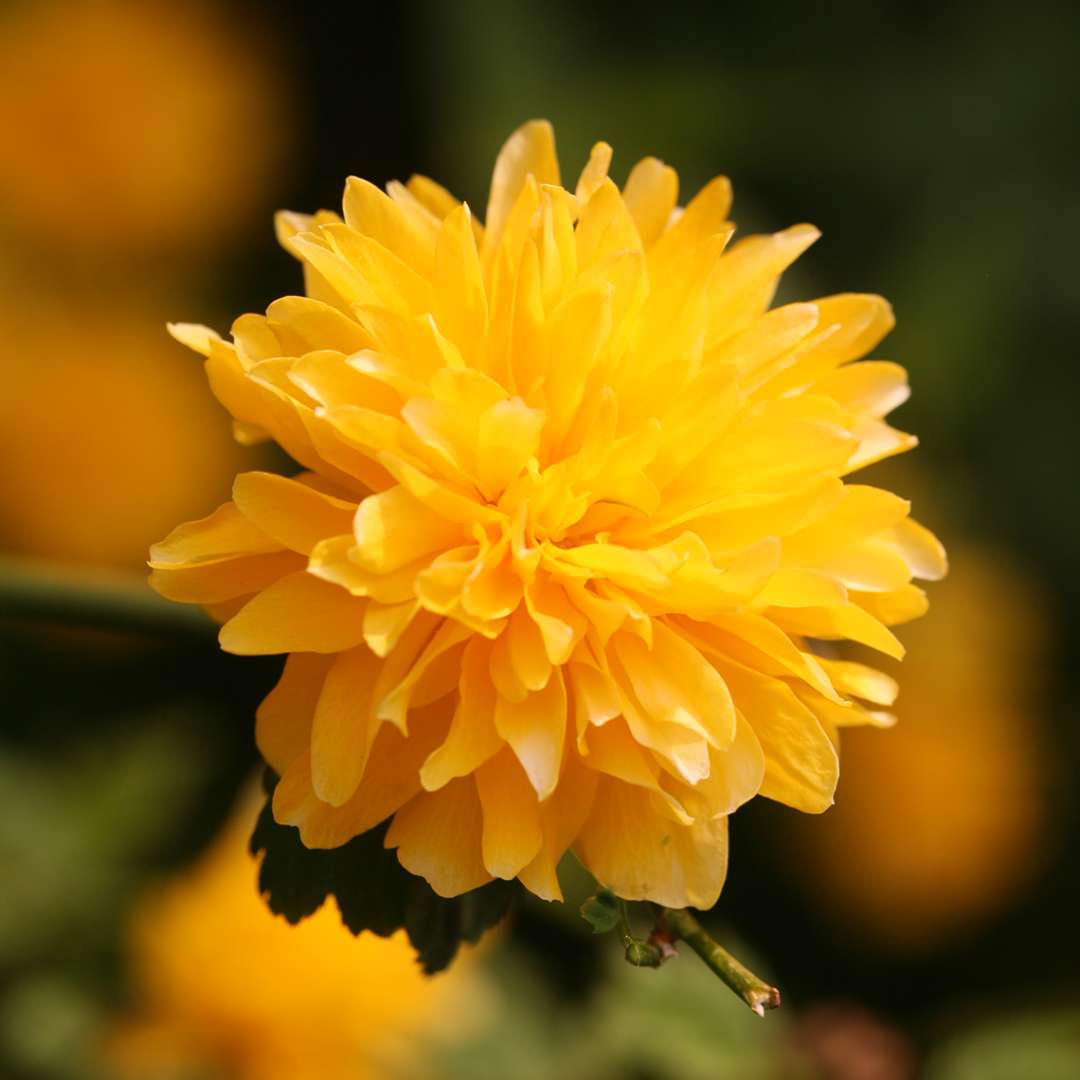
(926, 926)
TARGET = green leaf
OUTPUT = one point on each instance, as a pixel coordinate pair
(372, 889)
(601, 911)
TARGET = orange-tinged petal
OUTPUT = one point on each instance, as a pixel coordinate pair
(343, 730)
(561, 819)
(283, 719)
(642, 854)
(214, 582)
(223, 535)
(535, 728)
(472, 738)
(801, 765)
(512, 835)
(438, 837)
(735, 776)
(298, 613)
(296, 515)
(390, 780)
(675, 684)
(393, 528)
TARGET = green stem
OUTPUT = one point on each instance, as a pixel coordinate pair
(759, 995)
(51, 593)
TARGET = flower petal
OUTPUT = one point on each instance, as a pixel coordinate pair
(438, 837)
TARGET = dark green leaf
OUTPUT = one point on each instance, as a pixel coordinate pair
(372, 889)
(601, 911)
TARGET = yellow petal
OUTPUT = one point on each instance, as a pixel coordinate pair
(530, 151)
(393, 528)
(460, 304)
(343, 730)
(705, 216)
(873, 388)
(373, 213)
(921, 549)
(536, 729)
(385, 623)
(735, 776)
(507, 435)
(390, 780)
(438, 837)
(861, 681)
(223, 535)
(842, 621)
(214, 582)
(299, 613)
(283, 719)
(512, 835)
(472, 738)
(675, 684)
(294, 514)
(651, 192)
(561, 819)
(302, 325)
(595, 171)
(194, 336)
(801, 766)
(641, 854)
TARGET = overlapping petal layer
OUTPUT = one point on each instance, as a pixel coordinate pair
(575, 507)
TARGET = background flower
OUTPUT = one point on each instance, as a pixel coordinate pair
(947, 818)
(113, 111)
(222, 987)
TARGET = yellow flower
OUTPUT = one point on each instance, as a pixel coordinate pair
(575, 505)
(96, 412)
(224, 986)
(947, 818)
(110, 111)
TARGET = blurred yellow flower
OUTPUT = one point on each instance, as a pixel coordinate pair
(946, 818)
(224, 988)
(575, 502)
(106, 436)
(119, 120)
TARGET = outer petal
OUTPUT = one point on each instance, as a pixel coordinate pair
(299, 613)
(390, 780)
(343, 727)
(641, 854)
(801, 766)
(438, 837)
(512, 834)
(561, 819)
(294, 514)
(283, 720)
(529, 151)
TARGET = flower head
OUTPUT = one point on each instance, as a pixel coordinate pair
(224, 988)
(575, 503)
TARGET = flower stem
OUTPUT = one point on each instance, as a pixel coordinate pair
(759, 995)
